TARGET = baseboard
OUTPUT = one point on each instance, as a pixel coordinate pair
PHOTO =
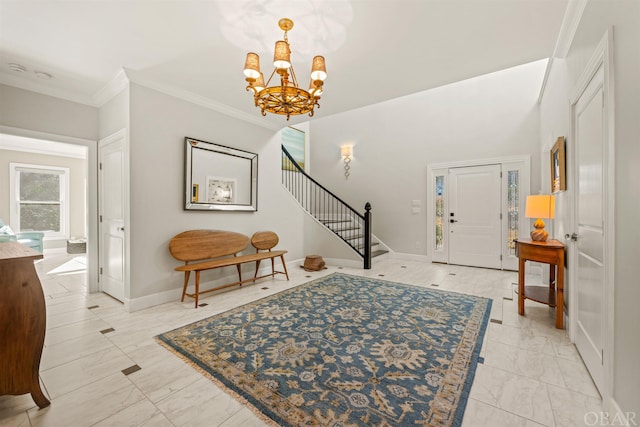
(136, 304)
(409, 257)
(174, 295)
(339, 262)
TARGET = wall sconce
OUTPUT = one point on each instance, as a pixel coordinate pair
(540, 206)
(346, 152)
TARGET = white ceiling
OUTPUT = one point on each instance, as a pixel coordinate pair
(375, 49)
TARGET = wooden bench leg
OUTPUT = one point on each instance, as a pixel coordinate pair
(186, 282)
(257, 267)
(197, 287)
(273, 268)
(239, 273)
(283, 266)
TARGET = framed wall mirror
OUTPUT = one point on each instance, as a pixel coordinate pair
(219, 178)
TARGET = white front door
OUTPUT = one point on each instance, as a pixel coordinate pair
(474, 216)
(111, 157)
(589, 269)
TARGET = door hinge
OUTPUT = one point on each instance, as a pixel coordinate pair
(602, 358)
(500, 174)
(100, 270)
(100, 165)
(501, 216)
(100, 218)
(500, 257)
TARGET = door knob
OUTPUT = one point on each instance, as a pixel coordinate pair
(121, 228)
(453, 220)
(572, 236)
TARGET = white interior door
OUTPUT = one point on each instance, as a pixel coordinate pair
(589, 268)
(474, 216)
(111, 156)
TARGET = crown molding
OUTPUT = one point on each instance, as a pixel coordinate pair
(202, 101)
(117, 84)
(570, 22)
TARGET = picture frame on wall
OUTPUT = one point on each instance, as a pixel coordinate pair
(294, 141)
(558, 165)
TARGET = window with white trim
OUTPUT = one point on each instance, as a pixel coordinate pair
(39, 199)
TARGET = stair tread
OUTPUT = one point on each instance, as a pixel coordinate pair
(378, 253)
(337, 230)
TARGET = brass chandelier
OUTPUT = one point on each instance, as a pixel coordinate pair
(287, 98)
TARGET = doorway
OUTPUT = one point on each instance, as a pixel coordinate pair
(477, 211)
(76, 158)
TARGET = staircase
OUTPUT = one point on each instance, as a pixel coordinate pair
(351, 232)
(329, 210)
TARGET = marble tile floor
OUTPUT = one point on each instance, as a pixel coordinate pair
(531, 373)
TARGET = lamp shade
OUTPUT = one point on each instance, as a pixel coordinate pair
(318, 69)
(252, 66)
(282, 55)
(346, 151)
(540, 206)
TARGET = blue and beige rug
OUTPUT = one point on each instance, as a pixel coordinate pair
(344, 351)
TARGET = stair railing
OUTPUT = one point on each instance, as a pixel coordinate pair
(336, 215)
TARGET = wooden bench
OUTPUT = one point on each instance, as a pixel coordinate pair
(209, 249)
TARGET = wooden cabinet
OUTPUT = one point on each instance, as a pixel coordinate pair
(550, 252)
(22, 322)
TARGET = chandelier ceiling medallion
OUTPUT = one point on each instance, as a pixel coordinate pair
(286, 98)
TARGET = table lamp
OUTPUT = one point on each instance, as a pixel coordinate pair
(540, 206)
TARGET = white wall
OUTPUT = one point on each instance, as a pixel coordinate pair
(114, 115)
(29, 110)
(490, 116)
(624, 17)
(158, 125)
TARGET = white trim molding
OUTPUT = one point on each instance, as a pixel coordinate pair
(41, 146)
(117, 84)
(570, 21)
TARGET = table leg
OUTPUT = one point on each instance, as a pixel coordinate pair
(521, 286)
(560, 296)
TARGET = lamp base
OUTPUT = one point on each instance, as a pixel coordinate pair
(539, 234)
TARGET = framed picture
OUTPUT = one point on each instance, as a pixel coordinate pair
(221, 190)
(294, 141)
(558, 163)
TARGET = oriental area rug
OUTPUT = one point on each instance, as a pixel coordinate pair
(343, 351)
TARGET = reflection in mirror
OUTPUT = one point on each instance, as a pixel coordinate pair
(219, 177)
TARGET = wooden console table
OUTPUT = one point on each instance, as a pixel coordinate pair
(550, 252)
(22, 322)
